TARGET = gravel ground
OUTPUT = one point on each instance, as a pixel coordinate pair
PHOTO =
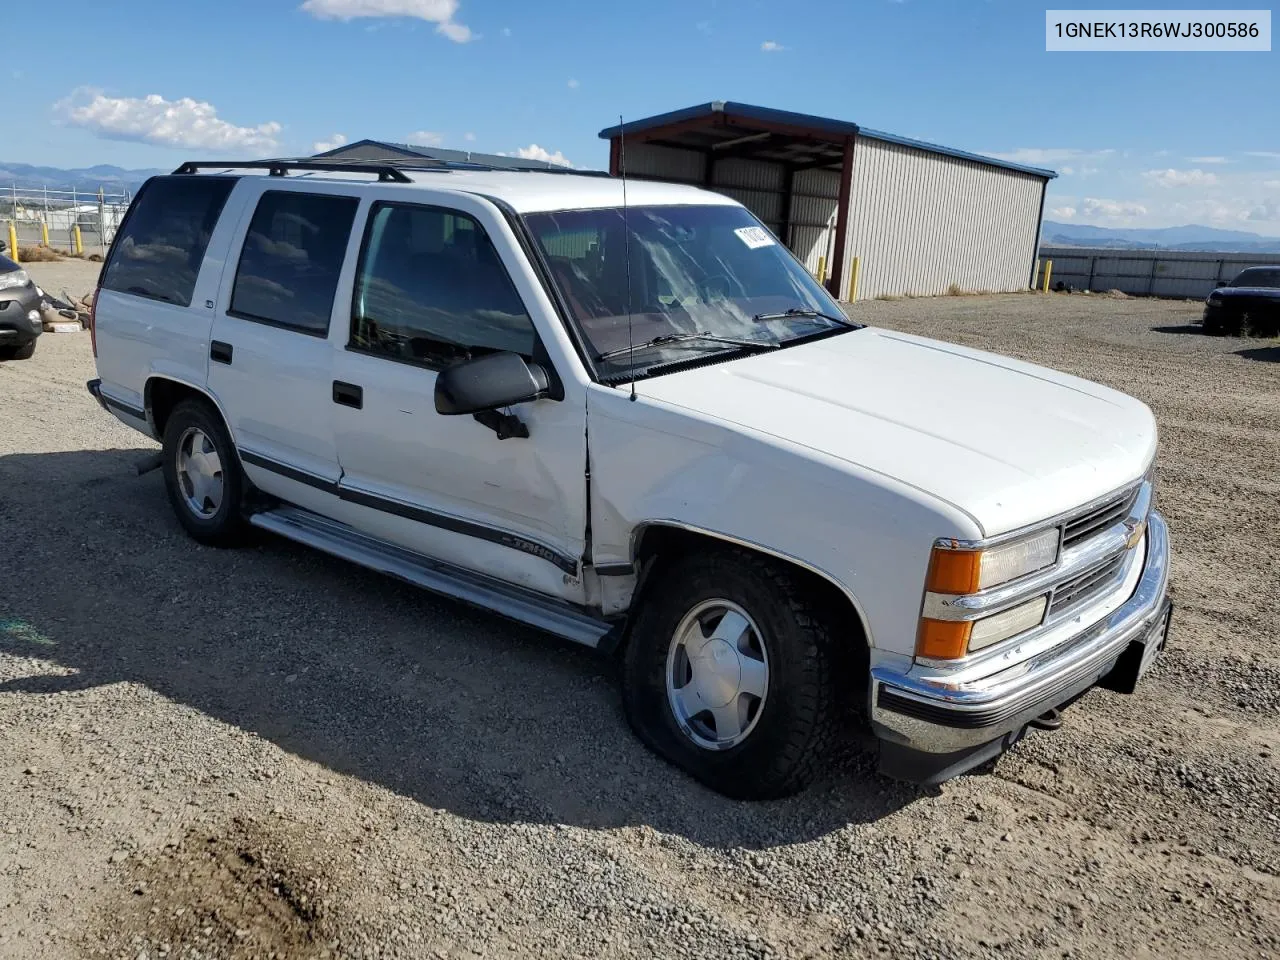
(265, 752)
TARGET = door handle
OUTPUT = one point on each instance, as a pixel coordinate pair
(220, 352)
(348, 394)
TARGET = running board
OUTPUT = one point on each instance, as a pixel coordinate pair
(524, 606)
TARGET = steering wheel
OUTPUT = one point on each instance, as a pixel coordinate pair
(720, 286)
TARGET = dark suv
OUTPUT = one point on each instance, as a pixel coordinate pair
(1248, 304)
(19, 312)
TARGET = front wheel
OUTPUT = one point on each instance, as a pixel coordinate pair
(728, 674)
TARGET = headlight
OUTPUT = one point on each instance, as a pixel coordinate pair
(954, 571)
(14, 278)
(958, 571)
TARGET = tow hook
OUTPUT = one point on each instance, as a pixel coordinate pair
(1050, 720)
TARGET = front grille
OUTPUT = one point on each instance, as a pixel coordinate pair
(1086, 586)
(1098, 519)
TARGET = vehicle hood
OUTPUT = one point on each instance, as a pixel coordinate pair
(1009, 443)
(1271, 293)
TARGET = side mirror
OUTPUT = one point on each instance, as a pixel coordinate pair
(3, 246)
(488, 383)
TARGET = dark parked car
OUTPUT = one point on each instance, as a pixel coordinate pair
(1248, 304)
(20, 321)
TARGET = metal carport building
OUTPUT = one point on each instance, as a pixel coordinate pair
(918, 217)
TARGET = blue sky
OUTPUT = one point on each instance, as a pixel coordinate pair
(1148, 139)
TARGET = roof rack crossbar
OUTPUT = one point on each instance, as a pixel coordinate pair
(387, 173)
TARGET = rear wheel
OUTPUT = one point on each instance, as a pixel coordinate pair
(202, 474)
(728, 674)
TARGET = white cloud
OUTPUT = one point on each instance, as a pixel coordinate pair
(1207, 160)
(169, 123)
(426, 138)
(573, 84)
(439, 12)
(1265, 154)
(1042, 156)
(457, 32)
(469, 136)
(1062, 213)
(535, 152)
(1181, 178)
(1066, 171)
(506, 31)
(771, 46)
(1266, 211)
(703, 26)
(333, 143)
(1112, 209)
(1271, 184)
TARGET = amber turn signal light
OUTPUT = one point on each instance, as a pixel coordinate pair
(943, 639)
(954, 571)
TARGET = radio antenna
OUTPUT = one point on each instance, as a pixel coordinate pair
(626, 248)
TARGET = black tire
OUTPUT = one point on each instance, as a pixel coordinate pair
(24, 352)
(225, 527)
(791, 736)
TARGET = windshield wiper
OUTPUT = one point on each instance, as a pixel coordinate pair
(683, 338)
(803, 312)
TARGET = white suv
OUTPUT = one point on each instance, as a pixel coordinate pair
(644, 428)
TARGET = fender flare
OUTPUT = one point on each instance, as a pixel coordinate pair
(637, 536)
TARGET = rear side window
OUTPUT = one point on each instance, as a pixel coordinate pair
(431, 289)
(290, 261)
(162, 242)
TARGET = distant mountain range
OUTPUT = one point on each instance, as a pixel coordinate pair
(1190, 237)
(89, 179)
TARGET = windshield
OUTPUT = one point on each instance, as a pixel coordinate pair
(1258, 277)
(699, 275)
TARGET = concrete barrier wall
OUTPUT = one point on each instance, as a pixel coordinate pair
(1148, 273)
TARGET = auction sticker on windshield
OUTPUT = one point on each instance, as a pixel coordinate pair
(754, 237)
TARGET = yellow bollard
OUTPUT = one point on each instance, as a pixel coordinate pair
(822, 269)
(853, 279)
(44, 234)
(13, 243)
(1048, 272)
(79, 244)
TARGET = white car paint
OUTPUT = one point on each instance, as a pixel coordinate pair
(848, 455)
(1005, 442)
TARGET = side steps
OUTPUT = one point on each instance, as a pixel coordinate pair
(524, 606)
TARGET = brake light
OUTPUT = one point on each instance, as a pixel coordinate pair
(93, 323)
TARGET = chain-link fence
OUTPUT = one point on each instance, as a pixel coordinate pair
(70, 221)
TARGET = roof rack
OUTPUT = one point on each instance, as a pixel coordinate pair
(446, 166)
(387, 173)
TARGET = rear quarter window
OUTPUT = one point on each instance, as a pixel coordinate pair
(163, 240)
(292, 254)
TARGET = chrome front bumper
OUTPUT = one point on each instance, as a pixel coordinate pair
(978, 717)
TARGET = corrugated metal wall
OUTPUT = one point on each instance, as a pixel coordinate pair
(756, 184)
(665, 163)
(814, 195)
(1148, 273)
(923, 221)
